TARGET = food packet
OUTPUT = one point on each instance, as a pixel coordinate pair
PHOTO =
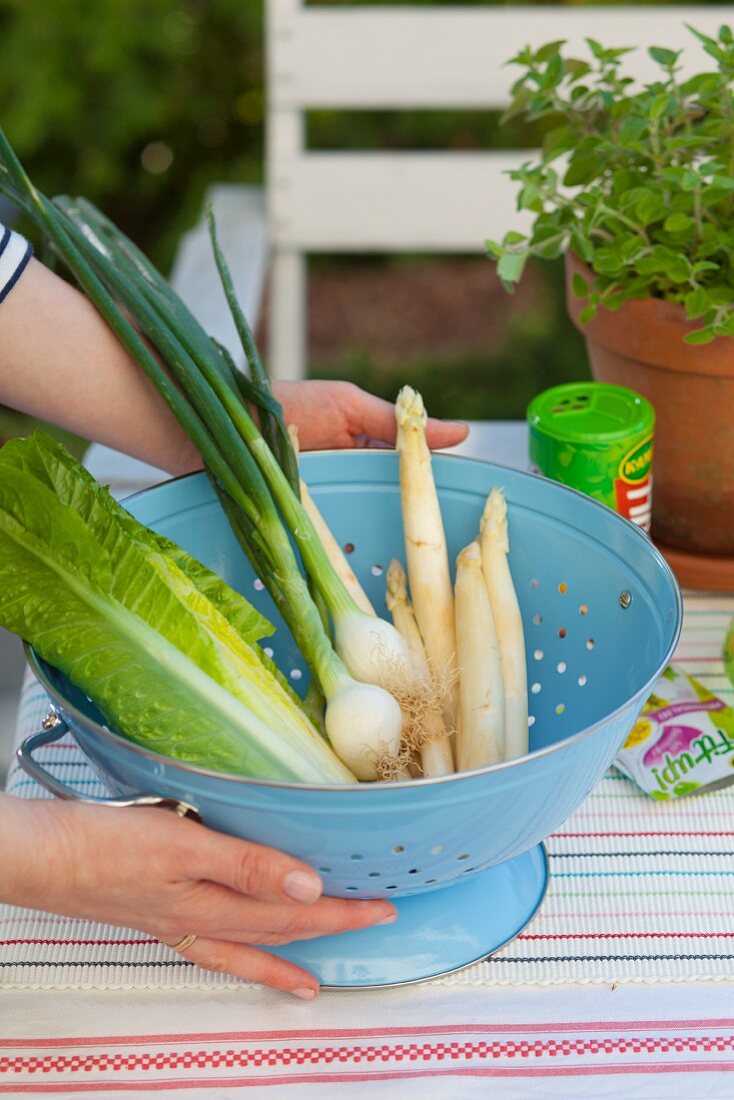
(683, 742)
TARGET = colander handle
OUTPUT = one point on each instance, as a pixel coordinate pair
(53, 729)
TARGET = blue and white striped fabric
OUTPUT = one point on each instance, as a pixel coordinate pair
(15, 252)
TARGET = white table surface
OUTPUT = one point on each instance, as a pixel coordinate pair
(573, 1040)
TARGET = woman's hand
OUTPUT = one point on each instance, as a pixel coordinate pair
(150, 870)
(340, 414)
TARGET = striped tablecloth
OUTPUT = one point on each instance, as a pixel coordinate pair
(624, 973)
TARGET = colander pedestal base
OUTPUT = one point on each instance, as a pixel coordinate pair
(435, 933)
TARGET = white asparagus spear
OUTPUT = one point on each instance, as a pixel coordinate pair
(481, 691)
(435, 746)
(425, 544)
(508, 622)
(329, 543)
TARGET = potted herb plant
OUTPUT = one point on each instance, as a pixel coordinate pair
(635, 186)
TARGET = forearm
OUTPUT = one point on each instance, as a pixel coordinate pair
(61, 362)
(31, 834)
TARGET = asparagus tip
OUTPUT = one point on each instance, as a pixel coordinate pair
(397, 591)
(494, 517)
(470, 556)
(409, 409)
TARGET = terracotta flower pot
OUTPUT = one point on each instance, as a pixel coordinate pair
(692, 390)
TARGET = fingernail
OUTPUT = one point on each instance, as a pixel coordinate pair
(305, 994)
(301, 886)
(389, 919)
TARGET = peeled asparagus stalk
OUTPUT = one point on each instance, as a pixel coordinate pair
(435, 746)
(495, 547)
(425, 544)
(480, 739)
(331, 546)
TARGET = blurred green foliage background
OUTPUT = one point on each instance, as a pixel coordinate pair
(140, 104)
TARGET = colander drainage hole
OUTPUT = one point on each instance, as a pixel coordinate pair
(352, 888)
(436, 849)
(325, 870)
(296, 674)
(535, 583)
(398, 849)
(257, 584)
(590, 644)
(414, 871)
(356, 856)
(563, 588)
(348, 547)
(535, 688)
(582, 681)
(391, 887)
(268, 651)
(560, 708)
(429, 881)
(531, 720)
(537, 619)
(464, 855)
(539, 655)
(376, 570)
(583, 609)
(561, 667)
(374, 874)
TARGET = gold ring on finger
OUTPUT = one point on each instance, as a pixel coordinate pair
(183, 943)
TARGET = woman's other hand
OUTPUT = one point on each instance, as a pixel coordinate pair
(170, 878)
(340, 414)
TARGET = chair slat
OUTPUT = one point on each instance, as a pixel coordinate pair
(432, 202)
(401, 57)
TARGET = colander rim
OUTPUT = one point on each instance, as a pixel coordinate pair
(66, 707)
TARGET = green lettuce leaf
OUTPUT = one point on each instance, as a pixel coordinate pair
(160, 661)
(56, 468)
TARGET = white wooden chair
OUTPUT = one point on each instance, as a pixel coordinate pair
(390, 201)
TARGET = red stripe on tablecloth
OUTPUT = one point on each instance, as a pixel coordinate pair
(522, 936)
(370, 1032)
(223, 1056)
(62, 745)
(159, 1084)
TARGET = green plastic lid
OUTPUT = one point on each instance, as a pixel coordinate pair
(590, 412)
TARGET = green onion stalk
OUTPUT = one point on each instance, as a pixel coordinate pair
(363, 721)
(372, 649)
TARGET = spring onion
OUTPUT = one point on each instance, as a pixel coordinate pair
(331, 546)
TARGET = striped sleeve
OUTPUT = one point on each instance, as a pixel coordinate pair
(15, 252)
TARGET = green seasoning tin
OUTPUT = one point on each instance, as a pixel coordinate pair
(597, 438)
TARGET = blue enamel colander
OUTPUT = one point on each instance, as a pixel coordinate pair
(462, 854)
